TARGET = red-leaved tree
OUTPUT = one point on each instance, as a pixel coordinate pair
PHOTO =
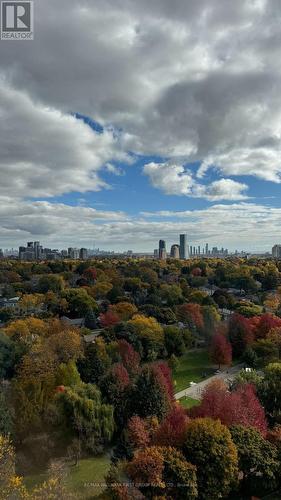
(130, 358)
(240, 407)
(164, 375)
(138, 434)
(172, 430)
(220, 350)
(191, 315)
(266, 323)
(90, 274)
(109, 318)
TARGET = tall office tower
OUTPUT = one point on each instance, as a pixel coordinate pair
(76, 253)
(37, 249)
(162, 249)
(276, 251)
(21, 252)
(175, 252)
(83, 253)
(190, 250)
(199, 250)
(207, 249)
(184, 253)
(73, 253)
(194, 251)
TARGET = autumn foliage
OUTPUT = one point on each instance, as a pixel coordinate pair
(138, 434)
(241, 334)
(130, 358)
(191, 315)
(109, 318)
(266, 323)
(171, 431)
(238, 407)
(220, 350)
(147, 466)
(164, 375)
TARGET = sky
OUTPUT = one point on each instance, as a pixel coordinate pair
(127, 121)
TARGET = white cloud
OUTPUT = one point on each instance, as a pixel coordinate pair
(261, 162)
(238, 225)
(170, 178)
(225, 189)
(45, 152)
(177, 180)
(191, 80)
(52, 222)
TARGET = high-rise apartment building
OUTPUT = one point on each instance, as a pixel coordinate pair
(73, 253)
(184, 253)
(175, 252)
(83, 253)
(162, 249)
(276, 251)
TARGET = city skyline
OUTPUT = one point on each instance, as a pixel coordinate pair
(207, 247)
(34, 250)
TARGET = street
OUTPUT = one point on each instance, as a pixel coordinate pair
(195, 391)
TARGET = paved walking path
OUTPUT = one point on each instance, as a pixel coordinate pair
(195, 391)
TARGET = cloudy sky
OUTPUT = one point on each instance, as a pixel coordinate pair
(126, 121)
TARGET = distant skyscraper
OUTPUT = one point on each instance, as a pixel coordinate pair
(207, 249)
(184, 253)
(83, 253)
(162, 249)
(73, 253)
(37, 249)
(175, 252)
(276, 251)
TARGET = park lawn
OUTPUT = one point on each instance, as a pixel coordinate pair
(191, 367)
(86, 480)
(188, 402)
(88, 476)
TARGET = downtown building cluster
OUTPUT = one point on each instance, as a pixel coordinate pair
(34, 251)
(185, 251)
(180, 251)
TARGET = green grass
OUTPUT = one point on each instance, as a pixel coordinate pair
(89, 475)
(188, 402)
(191, 367)
(84, 480)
